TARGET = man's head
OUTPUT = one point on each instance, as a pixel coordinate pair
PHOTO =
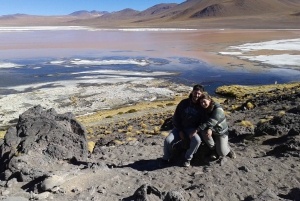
(197, 92)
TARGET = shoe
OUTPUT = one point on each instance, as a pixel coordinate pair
(163, 163)
(231, 154)
(186, 163)
(214, 155)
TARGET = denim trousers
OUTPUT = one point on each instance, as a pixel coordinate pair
(174, 137)
(217, 142)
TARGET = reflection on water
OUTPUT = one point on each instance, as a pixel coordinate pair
(37, 57)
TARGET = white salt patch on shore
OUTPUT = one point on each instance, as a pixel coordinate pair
(89, 98)
(280, 60)
(110, 62)
(125, 73)
(56, 62)
(9, 65)
(290, 44)
(42, 28)
(276, 45)
(231, 53)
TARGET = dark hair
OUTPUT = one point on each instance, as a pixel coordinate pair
(198, 87)
(212, 102)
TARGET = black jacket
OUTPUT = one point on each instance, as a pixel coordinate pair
(188, 115)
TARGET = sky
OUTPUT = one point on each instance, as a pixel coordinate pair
(64, 7)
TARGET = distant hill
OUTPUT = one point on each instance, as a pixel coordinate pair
(157, 9)
(189, 14)
(84, 13)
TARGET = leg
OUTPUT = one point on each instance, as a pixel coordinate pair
(172, 138)
(194, 145)
(222, 145)
(208, 140)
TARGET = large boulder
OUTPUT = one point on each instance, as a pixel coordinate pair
(40, 142)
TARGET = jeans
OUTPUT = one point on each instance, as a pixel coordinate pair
(174, 137)
(217, 142)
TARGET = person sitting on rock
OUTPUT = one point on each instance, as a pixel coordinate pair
(186, 119)
(214, 131)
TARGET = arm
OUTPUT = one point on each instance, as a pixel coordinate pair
(177, 119)
(216, 116)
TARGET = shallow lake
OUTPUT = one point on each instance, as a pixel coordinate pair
(29, 57)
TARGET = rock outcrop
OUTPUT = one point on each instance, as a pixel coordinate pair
(39, 144)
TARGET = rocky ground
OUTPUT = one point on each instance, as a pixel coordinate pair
(125, 150)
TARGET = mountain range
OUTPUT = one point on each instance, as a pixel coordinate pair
(189, 14)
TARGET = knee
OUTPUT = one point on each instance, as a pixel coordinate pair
(196, 140)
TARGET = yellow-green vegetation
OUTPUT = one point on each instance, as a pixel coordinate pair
(161, 121)
(143, 125)
(107, 132)
(156, 129)
(131, 139)
(91, 146)
(249, 105)
(2, 134)
(17, 154)
(131, 111)
(129, 129)
(281, 113)
(241, 91)
(118, 142)
(109, 116)
(246, 123)
(164, 134)
(90, 131)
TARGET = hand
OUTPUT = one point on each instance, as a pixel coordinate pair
(181, 135)
(208, 133)
(193, 134)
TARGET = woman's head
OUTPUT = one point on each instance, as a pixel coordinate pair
(206, 101)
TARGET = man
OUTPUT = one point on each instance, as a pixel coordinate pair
(187, 117)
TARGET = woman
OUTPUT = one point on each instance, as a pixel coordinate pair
(215, 129)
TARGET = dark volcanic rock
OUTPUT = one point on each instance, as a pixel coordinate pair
(280, 125)
(41, 139)
(149, 193)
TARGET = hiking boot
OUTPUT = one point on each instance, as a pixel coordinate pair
(186, 163)
(231, 154)
(163, 163)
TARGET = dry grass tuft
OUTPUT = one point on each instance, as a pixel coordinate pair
(129, 129)
(250, 105)
(91, 146)
(129, 139)
(2, 134)
(246, 124)
(118, 142)
(156, 129)
(161, 121)
(164, 134)
(90, 131)
(281, 113)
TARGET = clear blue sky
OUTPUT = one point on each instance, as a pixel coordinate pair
(63, 7)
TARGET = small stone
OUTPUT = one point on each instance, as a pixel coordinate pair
(5, 192)
(223, 161)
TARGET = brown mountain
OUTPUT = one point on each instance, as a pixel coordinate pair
(189, 14)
